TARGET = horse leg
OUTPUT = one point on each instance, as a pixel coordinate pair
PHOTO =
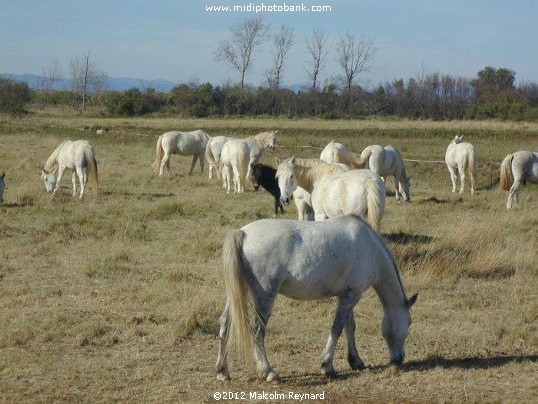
(165, 163)
(202, 162)
(83, 179)
(61, 170)
(227, 178)
(353, 357)
(345, 305)
(461, 171)
(512, 194)
(194, 158)
(397, 188)
(74, 182)
(453, 177)
(265, 371)
(222, 359)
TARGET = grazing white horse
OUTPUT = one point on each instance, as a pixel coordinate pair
(212, 153)
(387, 161)
(2, 187)
(334, 191)
(78, 156)
(516, 169)
(182, 143)
(338, 153)
(339, 257)
(256, 144)
(459, 156)
(234, 159)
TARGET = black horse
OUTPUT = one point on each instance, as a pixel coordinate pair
(264, 176)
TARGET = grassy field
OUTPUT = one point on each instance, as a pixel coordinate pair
(117, 297)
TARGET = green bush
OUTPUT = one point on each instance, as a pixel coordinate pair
(14, 97)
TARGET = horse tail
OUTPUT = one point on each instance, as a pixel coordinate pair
(209, 156)
(363, 159)
(159, 151)
(242, 170)
(375, 202)
(472, 162)
(94, 174)
(239, 295)
(506, 173)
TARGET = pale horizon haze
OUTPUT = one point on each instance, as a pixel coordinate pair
(175, 39)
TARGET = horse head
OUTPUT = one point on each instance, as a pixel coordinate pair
(395, 327)
(458, 139)
(272, 139)
(255, 175)
(287, 181)
(50, 180)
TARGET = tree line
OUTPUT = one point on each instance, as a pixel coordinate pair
(491, 94)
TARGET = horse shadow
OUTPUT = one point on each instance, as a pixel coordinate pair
(317, 379)
(126, 193)
(406, 238)
(16, 205)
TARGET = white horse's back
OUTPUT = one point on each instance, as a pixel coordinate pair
(78, 156)
(338, 153)
(212, 153)
(182, 143)
(235, 160)
(340, 257)
(359, 192)
(461, 156)
(516, 169)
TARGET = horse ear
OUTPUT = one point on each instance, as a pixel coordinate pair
(292, 160)
(44, 172)
(277, 161)
(276, 132)
(412, 300)
(3, 175)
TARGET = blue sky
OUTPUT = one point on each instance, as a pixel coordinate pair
(174, 39)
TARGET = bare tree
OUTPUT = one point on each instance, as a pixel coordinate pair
(354, 56)
(85, 78)
(49, 76)
(247, 35)
(283, 40)
(318, 51)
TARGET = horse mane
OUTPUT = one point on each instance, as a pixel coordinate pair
(260, 138)
(52, 162)
(312, 169)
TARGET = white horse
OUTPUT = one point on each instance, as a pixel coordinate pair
(234, 159)
(334, 190)
(212, 153)
(182, 143)
(387, 161)
(257, 145)
(459, 156)
(340, 257)
(2, 187)
(78, 156)
(516, 169)
(338, 153)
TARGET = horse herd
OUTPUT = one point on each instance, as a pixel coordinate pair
(334, 249)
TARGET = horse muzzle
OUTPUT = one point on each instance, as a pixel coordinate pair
(285, 200)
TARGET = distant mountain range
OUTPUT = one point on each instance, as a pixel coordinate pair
(112, 84)
(120, 83)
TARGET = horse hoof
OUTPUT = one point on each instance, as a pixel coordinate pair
(331, 374)
(273, 378)
(223, 377)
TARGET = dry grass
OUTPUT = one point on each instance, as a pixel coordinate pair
(117, 297)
